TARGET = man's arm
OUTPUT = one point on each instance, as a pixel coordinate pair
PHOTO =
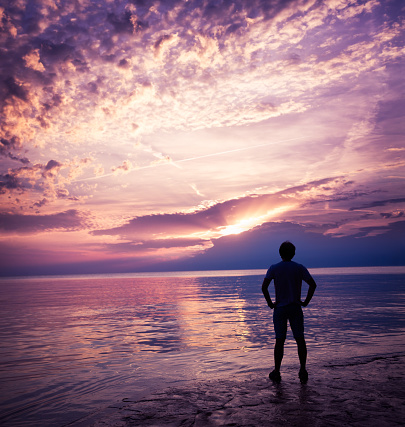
(311, 291)
(265, 290)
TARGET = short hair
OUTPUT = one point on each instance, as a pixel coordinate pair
(287, 250)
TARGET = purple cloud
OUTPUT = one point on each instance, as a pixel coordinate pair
(221, 214)
(258, 248)
(379, 203)
(30, 224)
(149, 247)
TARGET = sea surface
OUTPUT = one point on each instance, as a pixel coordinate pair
(70, 345)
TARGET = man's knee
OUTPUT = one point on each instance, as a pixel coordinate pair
(300, 341)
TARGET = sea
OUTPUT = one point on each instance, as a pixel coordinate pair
(71, 345)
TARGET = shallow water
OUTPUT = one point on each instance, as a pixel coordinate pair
(72, 345)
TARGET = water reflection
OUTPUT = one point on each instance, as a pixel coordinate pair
(79, 343)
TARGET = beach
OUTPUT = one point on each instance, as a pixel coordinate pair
(197, 350)
(358, 392)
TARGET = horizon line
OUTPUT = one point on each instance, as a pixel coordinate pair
(375, 269)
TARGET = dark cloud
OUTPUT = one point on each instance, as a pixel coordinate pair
(341, 196)
(166, 223)
(121, 24)
(8, 145)
(15, 89)
(254, 249)
(42, 262)
(28, 224)
(23, 160)
(378, 203)
(124, 63)
(10, 182)
(126, 23)
(92, 87)
(162, 39)
(52, 164)
(39, 179)
(62, 193)
(60, 51)
(388, 230)
(43, 202)
(258, 248)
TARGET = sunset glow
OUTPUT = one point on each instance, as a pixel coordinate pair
(137, 135)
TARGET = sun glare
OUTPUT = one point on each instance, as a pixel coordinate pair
(253, 221)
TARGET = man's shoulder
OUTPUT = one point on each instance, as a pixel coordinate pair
(275, 266)
(301, 267)
(272, 270)
(287, 265)
(298, 265)
(290, 266)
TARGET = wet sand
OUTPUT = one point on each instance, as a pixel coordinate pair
(367, 391)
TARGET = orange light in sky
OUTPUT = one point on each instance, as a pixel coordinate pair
(253, 221)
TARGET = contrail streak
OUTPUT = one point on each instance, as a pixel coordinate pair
(189, 159)
(236, 149)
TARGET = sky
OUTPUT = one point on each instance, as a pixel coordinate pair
(184, 135)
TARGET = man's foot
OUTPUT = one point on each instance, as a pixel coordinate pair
(303, 376)
(275, 376)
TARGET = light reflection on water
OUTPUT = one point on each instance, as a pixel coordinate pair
(71, 345)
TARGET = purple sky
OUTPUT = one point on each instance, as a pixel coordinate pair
(160, 135)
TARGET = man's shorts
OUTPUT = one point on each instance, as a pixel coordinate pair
(293, 313)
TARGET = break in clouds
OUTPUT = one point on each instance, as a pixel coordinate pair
(159, 127)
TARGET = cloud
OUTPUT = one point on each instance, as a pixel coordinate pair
(227, 217)
(157, 248)
(32, 60)
(93, 91)
(51, 169)
(43, 202)
(254, 249)
(258, 248)
(124, 168)
(395, 214)
(62, 45)
(41, 181)
(185, 234)
(378, 203)
(31, 224)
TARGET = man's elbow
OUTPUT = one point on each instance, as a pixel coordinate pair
(312, 284)
(265, 284)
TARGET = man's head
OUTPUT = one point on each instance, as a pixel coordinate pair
(287, 251)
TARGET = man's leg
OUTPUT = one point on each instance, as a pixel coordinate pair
(302, 354)
(297, 326)
(302, 351)
(278, 357)
(280, 328)
(278, 353)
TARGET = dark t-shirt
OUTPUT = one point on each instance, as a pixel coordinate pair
(288, 277)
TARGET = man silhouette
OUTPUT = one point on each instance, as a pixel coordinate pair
(288, 276)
